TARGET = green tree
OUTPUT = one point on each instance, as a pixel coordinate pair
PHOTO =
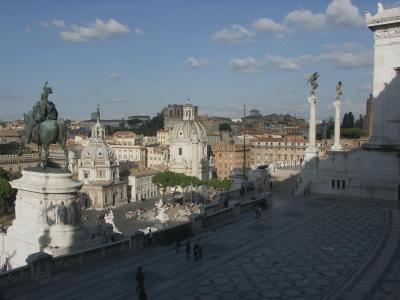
(134, 123)
(150, 128)
(225, 127)
(6, 192)
(352, 133)
(359, 122)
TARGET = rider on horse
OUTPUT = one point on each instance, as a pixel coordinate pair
(42, 110)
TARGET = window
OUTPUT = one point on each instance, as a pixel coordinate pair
(85, 174)
(343, 184)
(333, 183)
(180, 151)
(338, 184)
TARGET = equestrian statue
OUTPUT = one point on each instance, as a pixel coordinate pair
(43, 128)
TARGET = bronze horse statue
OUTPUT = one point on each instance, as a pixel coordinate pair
(49, 132)
(43, 128)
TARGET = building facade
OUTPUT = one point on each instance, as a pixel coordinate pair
(188, 146)
(163, 136)
(157, 157)
(141, 185)
(132, 153)
(98, 169)
(228, 157)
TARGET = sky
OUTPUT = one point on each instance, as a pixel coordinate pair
(135, 57)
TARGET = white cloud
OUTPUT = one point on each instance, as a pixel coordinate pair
(97, 30)
(344, 13)
(306, 19)
(270, 26)
(44, 24)
(339, 13)
(235, 34)
(139, 31)
(245, 65)
(349, 59)
(28, 29)
(114, 76)
(290, 64)
(196, 62)
(58, 23)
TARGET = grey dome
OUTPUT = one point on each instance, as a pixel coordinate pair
(98, 150)
(188, 130)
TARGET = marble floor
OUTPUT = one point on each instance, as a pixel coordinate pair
(318, 247)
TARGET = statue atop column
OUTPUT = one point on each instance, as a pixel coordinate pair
(339, 90)
(313, 81)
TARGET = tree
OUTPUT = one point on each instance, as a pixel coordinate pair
(225, 127)
(6, 192)
(348, 120)
(359, 122)
(352, 133)
(134, 123)
(150, 128)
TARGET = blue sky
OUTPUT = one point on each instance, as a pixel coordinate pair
(134, 57)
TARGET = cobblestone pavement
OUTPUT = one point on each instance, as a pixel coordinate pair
(314, 248)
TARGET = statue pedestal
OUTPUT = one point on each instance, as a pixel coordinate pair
(47, 216)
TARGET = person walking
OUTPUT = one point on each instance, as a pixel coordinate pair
(196, 251)
(187, 250)
(178, 245)
(151, 236)
(142, 294)
(200, 249)
(139, 279)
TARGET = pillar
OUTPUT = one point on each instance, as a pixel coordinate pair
(312, 150)
(336, 145)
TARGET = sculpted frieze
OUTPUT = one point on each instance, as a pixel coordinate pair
(387, 33)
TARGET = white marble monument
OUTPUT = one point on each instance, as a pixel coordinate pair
(47, 217)
(374, 170)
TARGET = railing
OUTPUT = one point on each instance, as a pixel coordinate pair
(51, 265)
(15, 276)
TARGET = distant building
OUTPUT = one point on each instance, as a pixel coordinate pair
(143, 119)
(128, 138)
(141, 185)
(150, 140)
(229, 156)
(163, 136)
(173, 114)
(9, 136)
(15, 163)
(98, 169)
(157, 157)
(188, 146)
(132, 153)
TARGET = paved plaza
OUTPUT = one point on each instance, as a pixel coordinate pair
(318, 247)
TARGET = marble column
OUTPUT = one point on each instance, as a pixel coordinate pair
(336, 145)
(312, 150)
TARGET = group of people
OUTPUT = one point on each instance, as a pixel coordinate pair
(197, 249)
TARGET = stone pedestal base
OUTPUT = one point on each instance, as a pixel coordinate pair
(311, 153)
(47, 216)
(336, 147)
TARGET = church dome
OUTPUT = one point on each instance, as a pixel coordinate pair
(98, 150)
(188, 130)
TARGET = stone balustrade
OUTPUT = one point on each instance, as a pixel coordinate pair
(41, 265)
